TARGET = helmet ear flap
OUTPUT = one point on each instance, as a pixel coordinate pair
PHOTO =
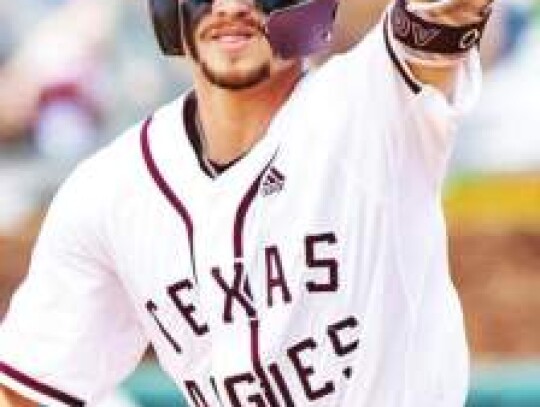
(166, 21)
(302, 30)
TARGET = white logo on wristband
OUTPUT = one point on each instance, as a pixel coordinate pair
(469, 39)
(423, 36)
(401, 23)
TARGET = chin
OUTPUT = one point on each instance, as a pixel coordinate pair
(236, 79)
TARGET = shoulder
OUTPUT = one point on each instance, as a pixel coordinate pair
(78, 211)
(98, 173)
(353, 78)
(359, 56)
(113, 173)
(122, 160)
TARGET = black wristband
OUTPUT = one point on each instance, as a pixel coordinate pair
(420, 34)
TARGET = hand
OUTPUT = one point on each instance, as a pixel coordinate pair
(451, 12)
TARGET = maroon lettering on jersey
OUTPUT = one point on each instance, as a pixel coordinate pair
(231, 383)
(215, 388)
(304, 372)
(247, 289)
(233, 293)
(281, 384)
(314, 262)
(257, 365)
(341, 348)
(152, 308)
(186, 310)
(195, 394)
(273, 263)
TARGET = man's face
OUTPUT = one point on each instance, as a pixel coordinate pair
(231, 45)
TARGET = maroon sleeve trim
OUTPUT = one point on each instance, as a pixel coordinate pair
(413, 85)
(39, 387)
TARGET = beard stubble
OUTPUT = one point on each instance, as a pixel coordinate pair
(233, 81)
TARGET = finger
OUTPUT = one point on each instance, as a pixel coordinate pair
(453, 12)
(448, 6)
(428, 5)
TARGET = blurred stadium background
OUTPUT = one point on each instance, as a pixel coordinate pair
(75, 73)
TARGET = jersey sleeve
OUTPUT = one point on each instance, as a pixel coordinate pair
(423, 120)
(415, 121)
(70, 334)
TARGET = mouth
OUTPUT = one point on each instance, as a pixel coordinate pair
(232, 37)
(232, 40)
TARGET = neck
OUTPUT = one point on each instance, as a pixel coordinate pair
(233, 121)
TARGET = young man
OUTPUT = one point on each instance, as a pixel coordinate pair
(275, 234)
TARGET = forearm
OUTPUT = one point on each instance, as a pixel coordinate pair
(443, 78)
(9, 398)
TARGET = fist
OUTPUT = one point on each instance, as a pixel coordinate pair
(452, 12)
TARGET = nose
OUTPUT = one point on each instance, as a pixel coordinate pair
(232, 7)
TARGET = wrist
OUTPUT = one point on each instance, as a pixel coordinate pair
(439, 35)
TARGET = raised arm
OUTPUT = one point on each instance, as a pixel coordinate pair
(434, 36)
(8, 398)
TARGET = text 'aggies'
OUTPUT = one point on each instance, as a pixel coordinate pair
(267, 381)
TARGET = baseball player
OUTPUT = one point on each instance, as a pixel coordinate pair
(275, 234)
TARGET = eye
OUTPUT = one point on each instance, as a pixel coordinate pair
(198, 3)
(267, 6)
(196, 9)
(272, 5)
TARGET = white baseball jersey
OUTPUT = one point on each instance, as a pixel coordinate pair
(313, 272)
